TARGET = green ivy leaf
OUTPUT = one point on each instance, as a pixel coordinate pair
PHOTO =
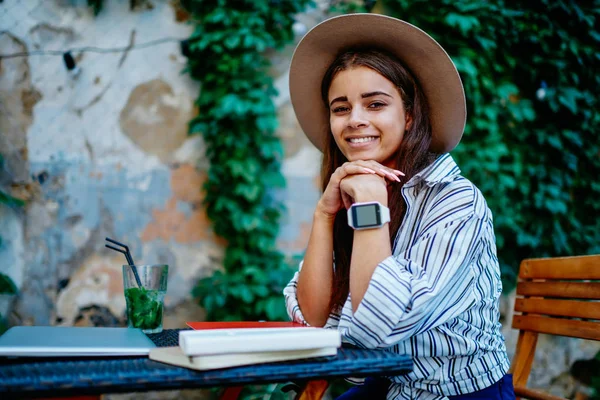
(465, 23)
(275, 309)
(7, 199)
(568, 98)
(465, 65)
(7, 286)
(249, 192)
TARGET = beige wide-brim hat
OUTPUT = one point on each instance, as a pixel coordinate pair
(420, 53)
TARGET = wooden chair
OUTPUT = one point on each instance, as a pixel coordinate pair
(556, 296)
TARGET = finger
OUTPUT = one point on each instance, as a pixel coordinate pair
(381, 170)
(362, 167)
(347, 200)
(390, 175)
(371, 167)
(351, 169)
(356, 168)
(377, 166)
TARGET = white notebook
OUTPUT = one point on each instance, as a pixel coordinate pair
(255, 340)
(174, 356)
(55, 341)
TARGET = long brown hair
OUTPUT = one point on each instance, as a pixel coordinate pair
(412, 156)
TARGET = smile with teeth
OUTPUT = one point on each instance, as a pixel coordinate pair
(362, 139)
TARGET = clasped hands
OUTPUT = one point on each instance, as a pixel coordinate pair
(356, 181)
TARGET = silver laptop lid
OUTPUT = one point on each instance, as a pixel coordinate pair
(48, 341)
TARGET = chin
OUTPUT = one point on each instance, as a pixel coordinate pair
(354, 155)
(363, 157)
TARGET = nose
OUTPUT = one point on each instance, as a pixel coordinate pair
(357, 118)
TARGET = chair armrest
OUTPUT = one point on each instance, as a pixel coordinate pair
(314, 390)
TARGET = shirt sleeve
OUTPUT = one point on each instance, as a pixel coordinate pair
(293, 308)
(427, 285)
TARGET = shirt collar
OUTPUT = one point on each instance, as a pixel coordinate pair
(442, 170)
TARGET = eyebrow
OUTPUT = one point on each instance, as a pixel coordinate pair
(364, 96)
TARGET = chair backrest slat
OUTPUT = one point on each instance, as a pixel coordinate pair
(556, 296)
(564, 308)
(569, 290)
(558, 326)
(579, 267)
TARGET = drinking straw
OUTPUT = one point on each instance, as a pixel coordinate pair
(127, 256)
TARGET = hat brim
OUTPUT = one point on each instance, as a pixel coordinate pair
(420, 53)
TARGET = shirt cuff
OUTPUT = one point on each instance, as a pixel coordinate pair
(293, 308)
(291, 301)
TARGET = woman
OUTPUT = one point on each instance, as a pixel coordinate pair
(402, 254)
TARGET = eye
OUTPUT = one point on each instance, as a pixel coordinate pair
(377, 105)
(340, 109)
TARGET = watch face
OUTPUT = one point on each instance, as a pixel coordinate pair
(366, 216)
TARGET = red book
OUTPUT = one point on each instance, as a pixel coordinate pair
(243, 324)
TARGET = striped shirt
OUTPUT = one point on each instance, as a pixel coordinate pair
(436, 298)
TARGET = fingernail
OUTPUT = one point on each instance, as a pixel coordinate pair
(385, 171)
(369, 170)
(389, 174)
(399, 172)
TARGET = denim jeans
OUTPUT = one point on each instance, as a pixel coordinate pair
(501, 390)
(372, 389)
(376, 389)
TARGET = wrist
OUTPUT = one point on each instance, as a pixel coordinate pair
(372, 195)
(322, 215)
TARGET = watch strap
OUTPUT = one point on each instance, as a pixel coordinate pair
(384, 212)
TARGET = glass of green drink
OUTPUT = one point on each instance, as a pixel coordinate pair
(145, 302)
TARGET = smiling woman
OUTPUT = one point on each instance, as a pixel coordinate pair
(373, 101)
(367, 124)
(402, 253)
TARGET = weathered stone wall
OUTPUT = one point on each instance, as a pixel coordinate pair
(102, 153)
(106, 153)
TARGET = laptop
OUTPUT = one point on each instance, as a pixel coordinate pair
(59, 341)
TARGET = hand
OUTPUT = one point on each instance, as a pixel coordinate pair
(331, 201)
(361, 188)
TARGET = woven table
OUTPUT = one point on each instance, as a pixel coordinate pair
(28, 377)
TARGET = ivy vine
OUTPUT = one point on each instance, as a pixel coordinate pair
(237, 119)
(7, 286)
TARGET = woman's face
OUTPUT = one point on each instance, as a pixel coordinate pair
(366, 115)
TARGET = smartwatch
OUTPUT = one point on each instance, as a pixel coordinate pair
(368, 215)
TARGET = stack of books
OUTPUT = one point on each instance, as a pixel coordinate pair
(224, 345)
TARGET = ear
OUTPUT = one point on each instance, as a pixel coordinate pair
(408, 121)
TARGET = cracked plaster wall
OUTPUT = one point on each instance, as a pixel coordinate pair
(106, 153)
